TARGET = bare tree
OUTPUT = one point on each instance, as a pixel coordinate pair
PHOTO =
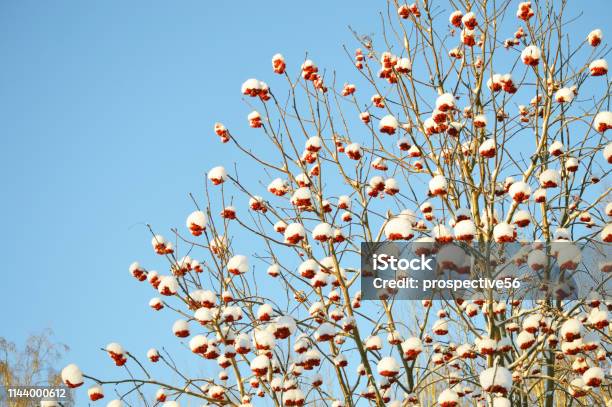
(34, 365)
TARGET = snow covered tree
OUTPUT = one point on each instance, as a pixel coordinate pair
(466, 122)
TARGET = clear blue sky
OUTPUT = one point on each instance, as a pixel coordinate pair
(106, 114)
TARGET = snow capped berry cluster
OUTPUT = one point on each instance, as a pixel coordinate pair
(256, 88)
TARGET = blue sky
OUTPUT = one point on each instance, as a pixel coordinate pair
(106, 115)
